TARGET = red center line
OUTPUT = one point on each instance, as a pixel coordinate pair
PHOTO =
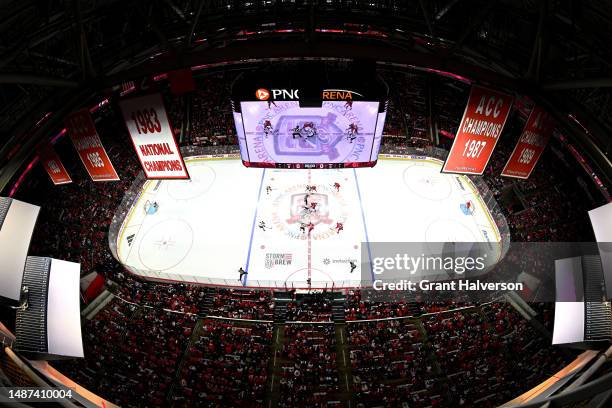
(309, 242)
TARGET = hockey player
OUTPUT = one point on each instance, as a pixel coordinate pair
(339, 227)
(242, 273)
(310, 129)
(310, 227)
(267, 126)
(262, 225)
(313, 206)
(268, 190)
(303, 227)
(351, 132)
(306, 197)
(348, 105)
(270, 103)
(311, 189)
(296, 132)
(353, 266)
(337, 187)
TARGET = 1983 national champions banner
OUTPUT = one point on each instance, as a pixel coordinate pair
(147, 122)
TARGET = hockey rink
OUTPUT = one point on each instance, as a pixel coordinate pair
(205, 229)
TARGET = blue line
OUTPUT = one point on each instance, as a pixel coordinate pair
(365, 227)
(248, 260)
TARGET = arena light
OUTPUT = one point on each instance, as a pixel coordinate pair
(17, 221)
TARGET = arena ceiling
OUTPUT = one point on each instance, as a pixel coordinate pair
(57, 54)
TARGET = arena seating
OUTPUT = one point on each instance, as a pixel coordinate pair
(316, 307)
(227, 363)
(137, 350)
(309, 366)
(389, 355)
(131, 351)
(243, 304)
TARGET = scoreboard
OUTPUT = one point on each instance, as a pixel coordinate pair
(308, 119)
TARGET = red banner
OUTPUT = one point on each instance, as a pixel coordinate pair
(53, 165)
(86, 141)
(482, 123)
(531, 144)
(151, 132)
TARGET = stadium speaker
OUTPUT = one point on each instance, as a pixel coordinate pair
(48, 324)
(17, 222)
(582, 318)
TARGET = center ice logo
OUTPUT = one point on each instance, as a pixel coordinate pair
(302, 210)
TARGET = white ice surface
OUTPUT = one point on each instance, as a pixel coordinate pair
(207, 228)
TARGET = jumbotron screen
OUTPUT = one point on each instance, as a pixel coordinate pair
(339, 133)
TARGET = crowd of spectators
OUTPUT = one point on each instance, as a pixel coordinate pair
(316, 307)
(491, 354)
(482, 355)
(309, 366)
(407, 114)
(210, 120)
(391, 364)
(362, 305)
(243, 304)
(171, 296)
(226, 365)
(131, 354)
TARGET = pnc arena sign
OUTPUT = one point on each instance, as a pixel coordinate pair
(264, 94)
(482, 123)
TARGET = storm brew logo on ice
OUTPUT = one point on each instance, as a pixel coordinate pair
(273, 260)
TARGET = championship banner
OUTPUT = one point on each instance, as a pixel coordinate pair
(531, 144)
(53, 165)
(482, 123)
(151, 133)
(86, 141)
